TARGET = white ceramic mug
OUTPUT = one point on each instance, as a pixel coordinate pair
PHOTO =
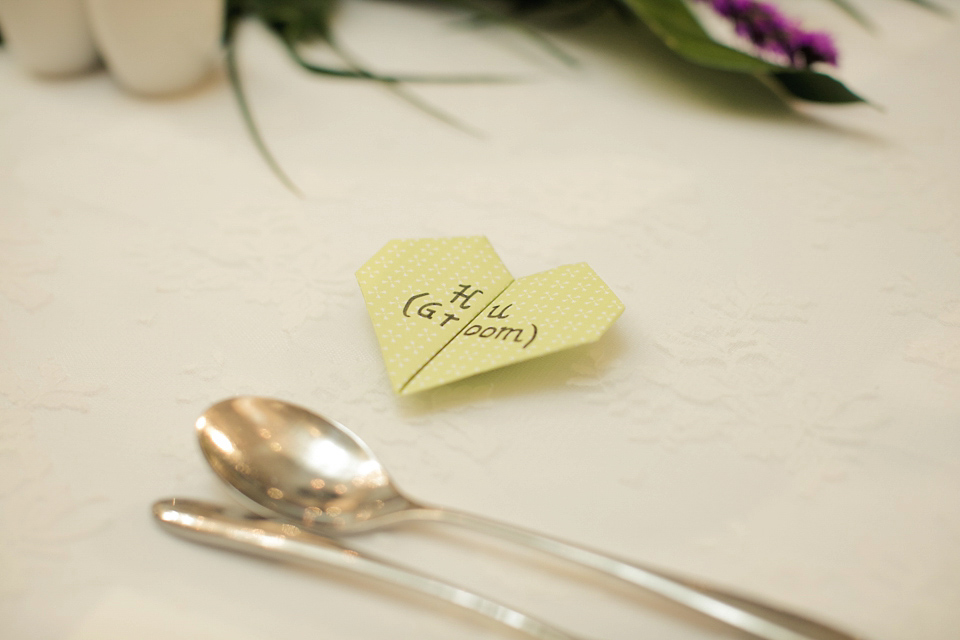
(156, 47)
(48, 37)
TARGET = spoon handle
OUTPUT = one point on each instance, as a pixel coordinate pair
(214, 525)
(756, 618)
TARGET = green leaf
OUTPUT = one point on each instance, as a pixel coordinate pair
(233, 73)
(359, 73)
(397, 89)
(816, 87)
(674, 23)
(292, 20)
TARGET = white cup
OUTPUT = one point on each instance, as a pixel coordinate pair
(156, 47)
(48, 37)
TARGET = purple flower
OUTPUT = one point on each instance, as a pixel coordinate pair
(769, 30)
(816, 46)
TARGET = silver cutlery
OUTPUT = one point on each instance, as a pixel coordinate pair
(284, 460)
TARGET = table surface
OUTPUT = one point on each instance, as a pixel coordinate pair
(776, 411)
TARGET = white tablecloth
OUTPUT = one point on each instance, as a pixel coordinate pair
(778, 409)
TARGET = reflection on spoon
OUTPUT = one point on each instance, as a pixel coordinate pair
(285, 460)
(216, 526)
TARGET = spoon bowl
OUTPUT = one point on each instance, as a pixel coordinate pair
(284, 459)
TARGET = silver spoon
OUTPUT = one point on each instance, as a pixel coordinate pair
(219, 527)
(285, 460)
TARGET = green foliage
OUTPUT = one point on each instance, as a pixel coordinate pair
(674, 23)
(297, 22)
(817, 87)
(301, 21)
(294, 21)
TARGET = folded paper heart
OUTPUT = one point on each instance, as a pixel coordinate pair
(444, 309)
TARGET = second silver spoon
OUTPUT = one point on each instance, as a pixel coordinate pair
(216, 526)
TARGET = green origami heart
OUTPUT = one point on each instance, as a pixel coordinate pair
(444, 309)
